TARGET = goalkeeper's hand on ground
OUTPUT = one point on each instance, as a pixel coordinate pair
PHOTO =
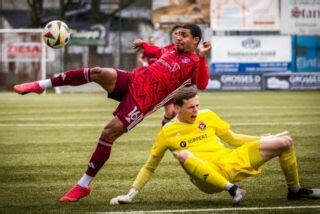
(270, 136)
(124, 199)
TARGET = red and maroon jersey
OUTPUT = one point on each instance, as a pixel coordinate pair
(151, 52)
(169, 47)
(150, 59)
(154, 85)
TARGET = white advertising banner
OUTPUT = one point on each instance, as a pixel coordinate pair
(242, 15)
(300, 17)
(292, 81)
(25, 52)
(251, 53)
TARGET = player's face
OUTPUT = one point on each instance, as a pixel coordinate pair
(187, 113)
(185, 41)
(152, 40)
(175, 34)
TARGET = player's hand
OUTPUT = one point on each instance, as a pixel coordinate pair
(124, 199)
(121, 199)
(137, 44)
(204, 48)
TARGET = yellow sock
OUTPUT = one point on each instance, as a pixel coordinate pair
(205, 172)
(288, 163)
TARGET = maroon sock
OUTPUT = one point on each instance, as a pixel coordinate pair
(73, 77)
(99, 157)
(165, 119)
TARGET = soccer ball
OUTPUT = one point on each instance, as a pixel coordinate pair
(56, 34)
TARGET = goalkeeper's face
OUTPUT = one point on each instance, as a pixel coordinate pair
(187, 113)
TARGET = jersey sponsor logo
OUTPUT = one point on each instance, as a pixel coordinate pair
(183, 144)
(172, 68)
(175, 67)
(133, 115)
(185, 60)
(163, 62)
(198, 138)
(202, 126)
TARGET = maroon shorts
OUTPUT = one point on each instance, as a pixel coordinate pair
(127, 111)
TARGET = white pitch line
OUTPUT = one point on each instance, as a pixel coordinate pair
(220, 209)
(288, 123)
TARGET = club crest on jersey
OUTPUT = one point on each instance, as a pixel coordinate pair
(202, 126)
(185, 60)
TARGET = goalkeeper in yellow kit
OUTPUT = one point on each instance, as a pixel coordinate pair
(192, 138)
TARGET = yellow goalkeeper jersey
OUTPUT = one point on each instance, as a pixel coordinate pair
(199, 137)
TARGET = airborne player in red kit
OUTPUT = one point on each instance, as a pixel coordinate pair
(151, 53)
(140, 93)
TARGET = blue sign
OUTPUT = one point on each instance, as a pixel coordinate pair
(251, 67)
(306, 53)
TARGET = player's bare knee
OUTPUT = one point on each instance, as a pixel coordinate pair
(95, 73)
(113, 130)
(110, 134)
(286, 142)
(106, 135)
(184, 155)
(96, 70)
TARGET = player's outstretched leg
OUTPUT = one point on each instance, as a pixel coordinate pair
(283, 147)
(98, 159)
(28, 87)
(76, 193)
(111, 132)
(74, 78)
(207, 178)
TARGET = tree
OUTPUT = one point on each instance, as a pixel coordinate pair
(64, 7)
(36, 7)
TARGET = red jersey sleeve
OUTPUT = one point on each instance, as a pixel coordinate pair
(151, 50)
(201, 76)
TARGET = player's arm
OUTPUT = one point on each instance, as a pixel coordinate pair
(202, 73)
(148, 50)
(142, 178)
(224, 132)
(141, 61)
(145, 172)
(236, 139)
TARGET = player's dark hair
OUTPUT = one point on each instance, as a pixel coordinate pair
(175, 28)
(184, 94)
(194, 29)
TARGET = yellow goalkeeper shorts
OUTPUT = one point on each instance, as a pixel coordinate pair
(240, 163)
(236, 165)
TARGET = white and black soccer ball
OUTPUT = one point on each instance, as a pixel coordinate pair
(56, 34)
